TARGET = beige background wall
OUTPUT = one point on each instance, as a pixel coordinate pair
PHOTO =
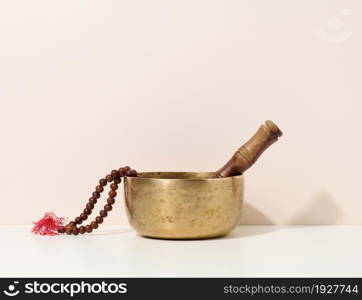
(86, 86)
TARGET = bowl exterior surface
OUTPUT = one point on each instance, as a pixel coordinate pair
(183, 205)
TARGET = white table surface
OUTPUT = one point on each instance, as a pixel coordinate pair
(249, 251)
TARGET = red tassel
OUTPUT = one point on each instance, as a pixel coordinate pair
(48, 225)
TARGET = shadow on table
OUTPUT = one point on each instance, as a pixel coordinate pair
(251, 215)
(243, 231)
(253, 222)
(322, 209)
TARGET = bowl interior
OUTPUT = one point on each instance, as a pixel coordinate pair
(175, 175)
(178, 175)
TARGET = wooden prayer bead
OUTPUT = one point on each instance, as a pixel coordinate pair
(115, 174)
(83, 216)
(99, 188)
(122, 171)
(112, 193)
(88, 229)
(96, 195)
(99, 219)
(117, 180)
(114, 186)
(108, 207)
(89, 206)
(92, 200)
(103, 182)
(68, 229)
(110, 200)
(94, 225)
(132, 173)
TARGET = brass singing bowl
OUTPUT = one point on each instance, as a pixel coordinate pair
(183, 205)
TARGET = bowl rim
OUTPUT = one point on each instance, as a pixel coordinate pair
(182, 179)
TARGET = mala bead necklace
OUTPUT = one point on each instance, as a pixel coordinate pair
(115, 178)
(51, 225)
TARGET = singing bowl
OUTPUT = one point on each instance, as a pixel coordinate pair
(183, 205)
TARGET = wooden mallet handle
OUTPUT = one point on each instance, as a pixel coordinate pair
(248, 153)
